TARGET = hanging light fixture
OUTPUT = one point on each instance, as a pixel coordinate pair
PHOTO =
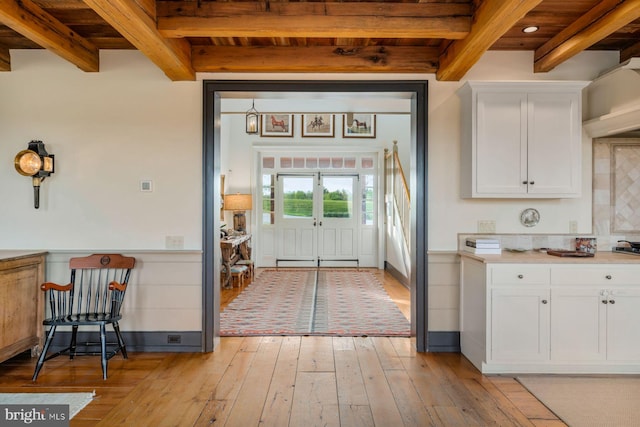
(252, 117)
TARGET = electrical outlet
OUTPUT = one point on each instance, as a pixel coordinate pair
(486, 226)
(174, 242)
(146, 185)
(573, 226)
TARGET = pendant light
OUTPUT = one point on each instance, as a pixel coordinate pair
(252, 116)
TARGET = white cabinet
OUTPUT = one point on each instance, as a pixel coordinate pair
(521, 140)
(550, 318)
(519, 324)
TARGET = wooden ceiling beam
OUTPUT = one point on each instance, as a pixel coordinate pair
(27, 18)
(5, 60)
(630, 52)
(602, 20)
(492, 19)
(137, 25)
(314, 19)
(327, 59)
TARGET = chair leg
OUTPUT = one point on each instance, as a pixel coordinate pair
(103, 348)
(43, 355)
(73, 345)
(123, 348)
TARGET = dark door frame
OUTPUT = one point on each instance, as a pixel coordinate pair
(215, 90)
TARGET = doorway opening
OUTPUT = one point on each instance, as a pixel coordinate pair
(413, 91)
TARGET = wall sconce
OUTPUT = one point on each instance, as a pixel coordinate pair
(252, 116)
(238, 203)
(36, 163)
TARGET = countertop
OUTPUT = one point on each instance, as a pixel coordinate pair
(536, 257)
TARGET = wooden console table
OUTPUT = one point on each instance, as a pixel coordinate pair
(21, 302)
(233, 249)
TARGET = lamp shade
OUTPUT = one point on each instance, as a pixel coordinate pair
(237, 202)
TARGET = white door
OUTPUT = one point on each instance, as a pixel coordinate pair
(337, 220)
(296, 220)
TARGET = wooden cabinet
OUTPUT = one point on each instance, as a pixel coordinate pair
(550, 318)
(521, 140)
(21, 300)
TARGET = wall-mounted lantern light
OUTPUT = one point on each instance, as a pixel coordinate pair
(36, 163)
(252, 117)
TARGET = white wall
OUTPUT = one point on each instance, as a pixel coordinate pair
(108, 130)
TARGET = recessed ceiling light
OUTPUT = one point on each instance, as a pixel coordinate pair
(531, 29)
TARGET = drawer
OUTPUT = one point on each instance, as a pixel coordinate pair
(601, 274)
(514, 274)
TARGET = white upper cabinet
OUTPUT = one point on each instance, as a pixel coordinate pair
(521, 140)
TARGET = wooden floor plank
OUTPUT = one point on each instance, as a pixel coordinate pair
(315, 401)
(351, 389)
(277, 407)
(411, 407)
(316, 355)
(252, 395)
(383, 406)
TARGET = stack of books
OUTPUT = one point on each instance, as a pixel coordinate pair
(482, 246)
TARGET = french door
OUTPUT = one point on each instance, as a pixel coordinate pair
(316, 219)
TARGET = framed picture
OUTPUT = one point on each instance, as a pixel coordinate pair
(276, 125)
(357, 125)
(318, 124)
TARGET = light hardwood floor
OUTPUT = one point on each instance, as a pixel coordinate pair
(288, 381)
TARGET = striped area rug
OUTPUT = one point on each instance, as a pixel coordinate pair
(333, 302)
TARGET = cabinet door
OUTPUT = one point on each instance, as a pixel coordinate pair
(623, 325)
(578, 324)
(554, 147)
(501, 145)
(519, 324)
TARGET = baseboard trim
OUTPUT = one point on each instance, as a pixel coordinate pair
(152, 341)
(443, 342)
(396, 274)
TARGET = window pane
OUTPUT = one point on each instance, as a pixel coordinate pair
(268, 162)
(297, 194)
(268, 199)
(337, 198)
(367, 162)
(368, 192)
(285, 162)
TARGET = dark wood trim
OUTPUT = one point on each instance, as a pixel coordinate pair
(214, 89)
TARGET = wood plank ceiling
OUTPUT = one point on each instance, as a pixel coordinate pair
(445, 37)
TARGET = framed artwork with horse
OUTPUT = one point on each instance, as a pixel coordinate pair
(276, 125)
(318, 125)
(359, 125)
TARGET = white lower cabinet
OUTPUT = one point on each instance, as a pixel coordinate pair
(550, 318)
(519, 324)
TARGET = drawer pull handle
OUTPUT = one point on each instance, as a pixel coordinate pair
(544, 301)
(608, 277)
(604, 301)
(612, 301)
(520, 276)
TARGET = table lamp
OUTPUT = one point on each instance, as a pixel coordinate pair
(238, 203)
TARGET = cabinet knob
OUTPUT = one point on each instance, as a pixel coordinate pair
(520, 276)
(524, 182)
(612, 301)
(604, 301)
(608, 277)
(531, 182)
(544, 301)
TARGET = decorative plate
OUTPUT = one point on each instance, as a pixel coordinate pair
(530, 217)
